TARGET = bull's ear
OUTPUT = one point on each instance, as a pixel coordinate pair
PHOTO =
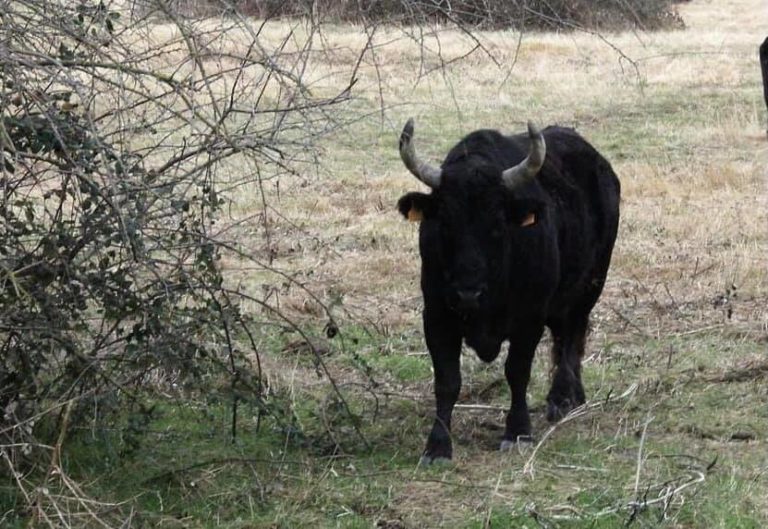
(525, 212)
(415, 206)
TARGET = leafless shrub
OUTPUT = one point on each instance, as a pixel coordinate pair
(118, 146)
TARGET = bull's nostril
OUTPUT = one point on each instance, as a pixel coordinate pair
(469, 297)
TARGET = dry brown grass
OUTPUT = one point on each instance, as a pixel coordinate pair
(680, 117)
(681, 123)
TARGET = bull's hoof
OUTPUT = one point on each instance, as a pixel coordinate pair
(556, 410)
(561, 401)
(427, 460)
(438, 447)
(507, 444)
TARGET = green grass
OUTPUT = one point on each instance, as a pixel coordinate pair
(183, 470)
(189, 469)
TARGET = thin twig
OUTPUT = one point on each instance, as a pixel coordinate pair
(640, 454)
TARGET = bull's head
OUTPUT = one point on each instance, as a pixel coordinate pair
(471, 219)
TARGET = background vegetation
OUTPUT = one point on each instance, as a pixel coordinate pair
(209, 309)
(518, 14)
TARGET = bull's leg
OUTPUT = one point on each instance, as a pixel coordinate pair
(517, 369)
(444, 344)
(567, 391)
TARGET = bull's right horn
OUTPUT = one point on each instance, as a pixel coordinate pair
(423, 171)
(527, 170)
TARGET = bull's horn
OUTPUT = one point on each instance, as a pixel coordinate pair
(423, 171)
(527, 170)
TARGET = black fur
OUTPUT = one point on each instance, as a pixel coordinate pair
(487, 279)
(764, 69)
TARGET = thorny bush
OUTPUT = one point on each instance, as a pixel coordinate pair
(116, 153)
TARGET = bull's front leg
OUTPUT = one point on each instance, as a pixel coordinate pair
(444, 344)
(517, 369)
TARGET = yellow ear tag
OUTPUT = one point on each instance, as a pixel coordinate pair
(529, 220)
(415, 215)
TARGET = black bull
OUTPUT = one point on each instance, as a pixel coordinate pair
(510, 244)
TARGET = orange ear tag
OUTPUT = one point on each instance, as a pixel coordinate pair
(529, 220)
(415, 215)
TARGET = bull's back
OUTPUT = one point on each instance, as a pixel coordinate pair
(582, 177)
(586, 194)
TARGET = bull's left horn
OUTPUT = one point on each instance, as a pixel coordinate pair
(527, 170)
(423, 171)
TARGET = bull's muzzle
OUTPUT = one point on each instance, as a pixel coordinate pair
(467, 300)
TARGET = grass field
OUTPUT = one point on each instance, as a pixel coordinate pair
(675, 431)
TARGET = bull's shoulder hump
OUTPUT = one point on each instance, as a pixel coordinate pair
(482, 141)
(557, 131)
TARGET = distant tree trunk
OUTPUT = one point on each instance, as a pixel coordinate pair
(764, 68)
